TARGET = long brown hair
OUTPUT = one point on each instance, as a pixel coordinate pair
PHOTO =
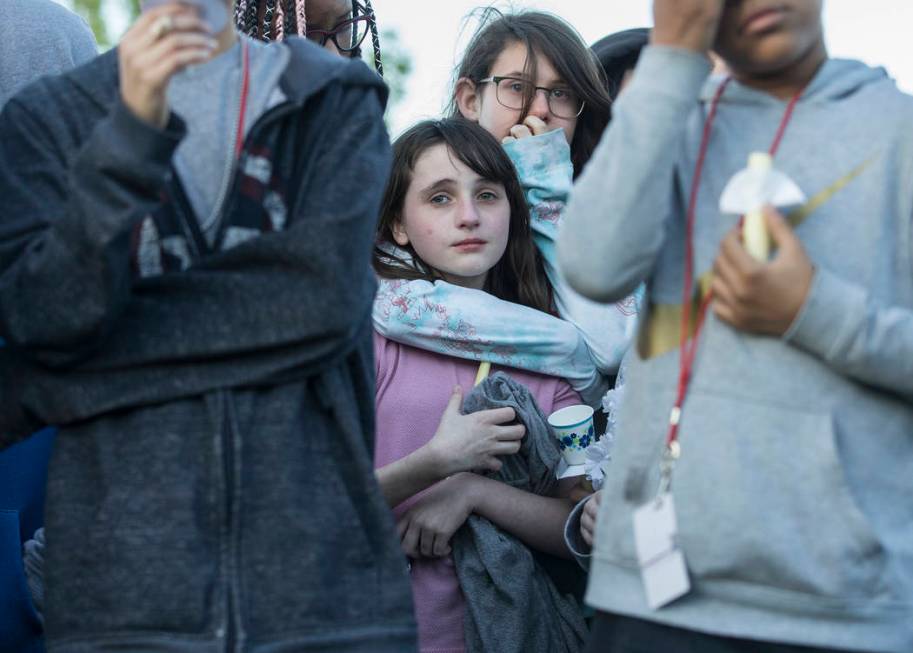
(519, 276)
(550, 37)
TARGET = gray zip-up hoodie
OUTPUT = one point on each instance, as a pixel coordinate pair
(211, 488)
(793, 490)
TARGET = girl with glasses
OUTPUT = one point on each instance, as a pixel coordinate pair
(530, 81)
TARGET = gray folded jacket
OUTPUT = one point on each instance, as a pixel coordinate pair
(512, 605)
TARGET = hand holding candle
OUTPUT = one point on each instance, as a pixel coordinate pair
(758, 297)
(749, 191)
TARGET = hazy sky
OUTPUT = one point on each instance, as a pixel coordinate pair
(875, 31)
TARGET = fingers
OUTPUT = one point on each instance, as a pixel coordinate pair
(150, 56)
(723, 292)
(426, 543)
(586, 529)
(172, 43)
(588, 518)
(150, 17)
(492, 465)
(507, 139)
(514, 432)
(505, 448)
(735, 252)
(455, 402)
(177, 24)
(497, 415)
(410, 539)
(148, 29)
(727, 313)
(723, 267)
(175, 61)
(536, 125)
(520, 131)
(441, 547)
(780, 230)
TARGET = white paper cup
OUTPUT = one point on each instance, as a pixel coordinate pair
(574, 430)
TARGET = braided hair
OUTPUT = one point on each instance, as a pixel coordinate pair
(375, 37)
(273, 20)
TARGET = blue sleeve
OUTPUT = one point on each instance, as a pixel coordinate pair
(544, 166)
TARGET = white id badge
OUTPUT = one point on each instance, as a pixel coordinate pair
(662, 563)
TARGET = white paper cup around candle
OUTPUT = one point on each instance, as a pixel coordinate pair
(574, 430)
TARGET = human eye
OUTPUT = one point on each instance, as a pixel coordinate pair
(439, 198)
(517, 86)
(562, 94)
(488, 196)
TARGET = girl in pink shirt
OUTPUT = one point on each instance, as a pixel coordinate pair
(454, 211)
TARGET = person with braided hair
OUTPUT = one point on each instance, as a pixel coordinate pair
(198, 325)
(341, 26)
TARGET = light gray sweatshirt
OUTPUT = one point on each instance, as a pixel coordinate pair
(39, 37)
(794, 490)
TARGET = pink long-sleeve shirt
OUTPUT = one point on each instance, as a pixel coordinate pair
(413, 389)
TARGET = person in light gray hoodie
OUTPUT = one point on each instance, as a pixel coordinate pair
(792, 482)
(39, 37)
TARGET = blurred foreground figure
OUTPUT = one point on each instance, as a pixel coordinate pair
(197, 320)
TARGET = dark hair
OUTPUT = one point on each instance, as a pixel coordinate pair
(618, 53)
(519, 276)
(548, 36)
(260, 20)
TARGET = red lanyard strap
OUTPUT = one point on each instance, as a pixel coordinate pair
(242, 104)
(688, 350)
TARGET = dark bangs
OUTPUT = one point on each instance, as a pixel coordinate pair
(550, 37)
(519, 276)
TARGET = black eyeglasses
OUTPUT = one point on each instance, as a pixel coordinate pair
(347, 35)
(514, 93)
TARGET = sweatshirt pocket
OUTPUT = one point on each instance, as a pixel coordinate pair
(763, 500)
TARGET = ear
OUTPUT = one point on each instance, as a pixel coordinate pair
(399, 233)
(468, 99)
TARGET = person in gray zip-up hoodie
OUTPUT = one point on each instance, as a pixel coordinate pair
(206, 351)
(793, 485)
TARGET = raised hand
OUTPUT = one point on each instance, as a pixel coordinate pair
(531, 126)
(762, 298)
(473, 442)
(689, 24)
(159, 44)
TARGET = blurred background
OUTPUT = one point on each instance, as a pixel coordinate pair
(422, 39)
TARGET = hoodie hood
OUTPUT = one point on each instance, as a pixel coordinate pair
(835, 80)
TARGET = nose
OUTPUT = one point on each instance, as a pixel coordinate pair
(468, 216)
(539, 107)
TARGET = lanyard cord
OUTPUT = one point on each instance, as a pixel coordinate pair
(687, 350)
(242, 107)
